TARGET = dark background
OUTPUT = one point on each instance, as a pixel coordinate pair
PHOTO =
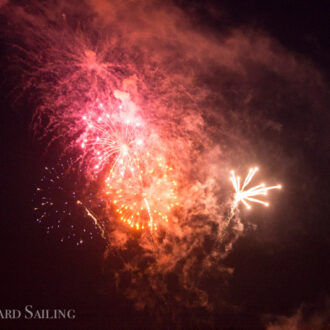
(270, 278)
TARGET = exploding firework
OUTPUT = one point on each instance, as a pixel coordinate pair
(249, 195)
(134, 138)
(110, 139)
(58, 207)
(144, 197)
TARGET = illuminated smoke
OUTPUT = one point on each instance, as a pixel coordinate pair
(88, 66)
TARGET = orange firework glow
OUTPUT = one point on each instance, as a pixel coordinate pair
(143, 198)
(242, 195)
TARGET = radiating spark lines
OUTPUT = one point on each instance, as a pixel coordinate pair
(93, 217)
(249, 195)
(145, 197)
(109, 142)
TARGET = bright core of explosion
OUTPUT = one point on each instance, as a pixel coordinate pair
(144, 197)
(249, 195)
(109, 140)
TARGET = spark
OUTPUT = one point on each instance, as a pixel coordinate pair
(143, 199)
(249, 195)
(93, 217)
(149, 212)
(56, 204)
(107, 141)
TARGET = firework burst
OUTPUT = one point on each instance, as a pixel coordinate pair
(249, 195)
(110, 138)
(58, 207)
(144, 197)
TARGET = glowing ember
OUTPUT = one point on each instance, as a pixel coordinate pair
(144, 197)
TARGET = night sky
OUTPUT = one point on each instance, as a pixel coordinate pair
(278, 268)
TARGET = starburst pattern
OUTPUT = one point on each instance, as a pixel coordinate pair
(107, 140)
(249, 195)
(144, 197)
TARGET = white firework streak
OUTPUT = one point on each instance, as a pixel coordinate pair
(109, 140)
(249, 195)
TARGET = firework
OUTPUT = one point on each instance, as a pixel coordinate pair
(109, 141)
(58, 207)
(249, 195)
(144, 197)
(93, 217)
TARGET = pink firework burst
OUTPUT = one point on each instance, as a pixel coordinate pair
(111, 139)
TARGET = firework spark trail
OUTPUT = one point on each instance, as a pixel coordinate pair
(149, 213)
(107, 141)
(144, 197)
(242, 195)
(94, 218)
(70, 73)
(55, 203)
